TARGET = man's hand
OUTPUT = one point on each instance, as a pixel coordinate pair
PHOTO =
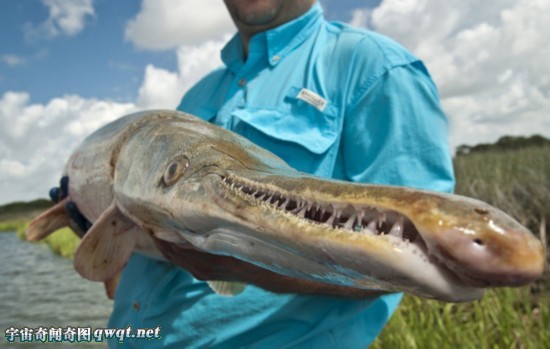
(81, 224)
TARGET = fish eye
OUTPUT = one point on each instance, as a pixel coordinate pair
(176, 168)
(481, 210)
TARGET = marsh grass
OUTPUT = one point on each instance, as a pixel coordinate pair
(503, 318)
(62, 242)
(518, 182)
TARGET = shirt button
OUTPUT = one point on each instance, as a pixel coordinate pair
(136, 306)
(242, 82)
(275, 58)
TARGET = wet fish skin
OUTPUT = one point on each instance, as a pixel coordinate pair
(170, 176)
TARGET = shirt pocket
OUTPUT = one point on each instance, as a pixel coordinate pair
(296, 122)
(297, 131)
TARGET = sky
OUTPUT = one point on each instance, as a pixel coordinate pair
(69, 67)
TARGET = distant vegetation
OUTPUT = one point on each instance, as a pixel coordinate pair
(24, 210)
(15, 217)
(516, 180)
(512, 174)
(505, 143)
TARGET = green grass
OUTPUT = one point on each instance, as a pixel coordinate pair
(518, 182)
(504, 318)
(13, 225)
(62, 242)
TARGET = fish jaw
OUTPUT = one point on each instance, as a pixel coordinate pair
(259, 233)
(444, 261)
(224, 202)
(487, 248)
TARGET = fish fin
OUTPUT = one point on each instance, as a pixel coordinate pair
(227, 288)
(111, 285)
(106, 247)
(49, 221)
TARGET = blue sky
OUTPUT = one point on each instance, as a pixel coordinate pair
(68, 67)
(97, 62)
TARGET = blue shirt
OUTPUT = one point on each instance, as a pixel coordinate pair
(331, 100)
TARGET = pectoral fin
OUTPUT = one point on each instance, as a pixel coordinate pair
(111, 285)
(106, 247)
(226, 288)
(53, 219)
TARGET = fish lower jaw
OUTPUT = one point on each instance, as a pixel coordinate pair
(342, 217)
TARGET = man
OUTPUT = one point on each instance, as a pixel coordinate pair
(330, 100)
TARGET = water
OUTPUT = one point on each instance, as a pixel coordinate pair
(39, 288)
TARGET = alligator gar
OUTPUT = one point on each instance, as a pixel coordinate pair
(171, 177)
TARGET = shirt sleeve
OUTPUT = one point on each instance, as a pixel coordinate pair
(395, 132)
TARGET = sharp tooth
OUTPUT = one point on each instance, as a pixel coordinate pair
(333, 219)
(338, 214)
(298, 207)
(372, 226)
(330, 220)
(262, 197)
(254, 193)
(283, 206)
(269, 198)
(368, 231)
(302, 212)
(360, 214)
(381, 218)
(349, 223)
(397, 229)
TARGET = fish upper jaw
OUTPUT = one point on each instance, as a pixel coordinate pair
(386, 258)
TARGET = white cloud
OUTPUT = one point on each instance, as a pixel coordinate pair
(36, 139)
(65, 18)
(163, 89)
(169, 24)
(489, 60)
(13, 60)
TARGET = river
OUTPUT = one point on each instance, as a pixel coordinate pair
(39, 288)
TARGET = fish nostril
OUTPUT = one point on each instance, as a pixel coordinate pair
(481, 211)
(478, 242)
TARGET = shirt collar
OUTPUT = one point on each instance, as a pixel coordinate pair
(275, 43)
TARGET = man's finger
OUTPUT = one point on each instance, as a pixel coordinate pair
(77, 217)
(64, 186)
(54, 194)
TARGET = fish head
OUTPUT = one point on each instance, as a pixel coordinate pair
(165, 171)
(481, 244)
(186, 181)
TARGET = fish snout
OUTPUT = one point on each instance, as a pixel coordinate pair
(490, 257)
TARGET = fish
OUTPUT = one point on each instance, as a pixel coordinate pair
(163, 180)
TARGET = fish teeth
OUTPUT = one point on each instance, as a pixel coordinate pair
(372, 226)
(284, 204)
(302, 212)
(349, 224)
(397, 229)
